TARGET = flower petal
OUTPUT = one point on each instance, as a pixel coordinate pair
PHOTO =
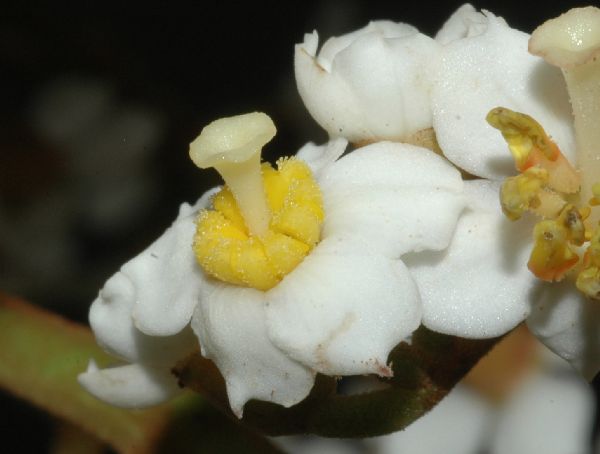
(464, 22)
(319, 157)
(398, 197)
(369, 85)
(457, 425)
(166, 279)
(384, 28)
(230, 323)
(480, 286)
(130, 386)
(548, 414)
(489, 70)
(112, 323)
(343, 309)
(569, 324)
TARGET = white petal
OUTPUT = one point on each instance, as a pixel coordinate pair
(230, 323)
(112, 322)
(548, 414)
(569, 324)
(465, 21)
(398, 197)
(319, 157)
(480, 286)
(457, 425)
(130, 386)
(494, 69)
(166, 280)
(335, 45)
(377, 87)
(343, 309)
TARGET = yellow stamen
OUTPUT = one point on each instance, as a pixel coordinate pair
(527, 192)
(595, 199)
(531, 146)
(227, 250)
(588, 279)
(553, 255)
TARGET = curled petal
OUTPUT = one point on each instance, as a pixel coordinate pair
(569, 324)
(318, 157)
(479, 286)
(369, 85)
(493, 69)
(130, 386)
(230, 323)
(112, 322)
(464, 22)
(166, 279)
(343, 309)
(398, 197)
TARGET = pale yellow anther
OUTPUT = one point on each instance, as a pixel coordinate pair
(595, 199)
(588, 279)
(232, 146)
(553, 254)
(522, 193)
(531, 147)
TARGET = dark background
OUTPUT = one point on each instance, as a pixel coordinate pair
(64, 228)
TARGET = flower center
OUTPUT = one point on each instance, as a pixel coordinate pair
(549, 186)
(265, 220)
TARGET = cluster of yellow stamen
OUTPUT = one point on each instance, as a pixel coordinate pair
(547, 186)
(264, 221)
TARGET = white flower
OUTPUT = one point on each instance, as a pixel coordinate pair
(479, 286)
(371, 84)
(493, 288)
(339, 312)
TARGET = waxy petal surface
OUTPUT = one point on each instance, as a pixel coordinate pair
(397, 197)
(130, 386)
(569, 324)
(479, 286)
(230, 324)
(343, 309)
(492, 69)
(113, 325)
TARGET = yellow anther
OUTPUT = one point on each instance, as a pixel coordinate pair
(588, 279)
(521, 193)
(226, 249)
(531, 146)
(595, 200)
(553, 255)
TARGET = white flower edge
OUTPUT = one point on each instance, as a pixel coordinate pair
(261, 350)
(489, 69)
(569, 324)
(478, 287)
(347, 87)
(129, 386)
(463, 23)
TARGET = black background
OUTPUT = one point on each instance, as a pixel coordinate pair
(193, 62)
